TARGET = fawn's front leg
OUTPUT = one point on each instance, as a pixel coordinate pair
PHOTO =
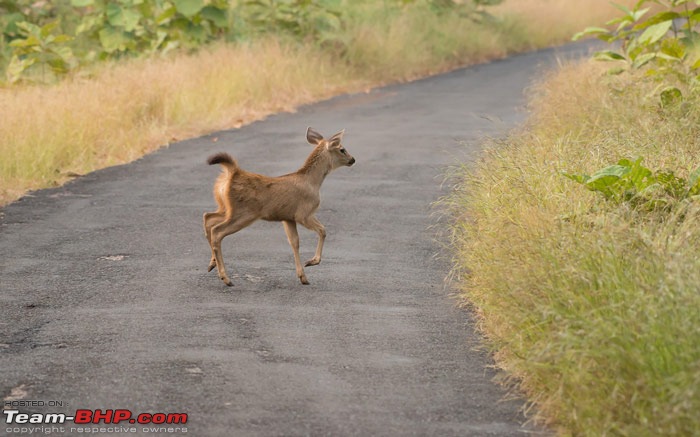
(313, 224)
(290, 228)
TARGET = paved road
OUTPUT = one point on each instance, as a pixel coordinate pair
(106, 303)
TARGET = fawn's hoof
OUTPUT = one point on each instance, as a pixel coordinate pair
(304, 280)
(212, 266)
(227, 281)
(312, 262)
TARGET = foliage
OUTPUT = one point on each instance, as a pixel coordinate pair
(39, 47)
(36, 46)
(137, 26)
(666, 38)
(304, 19)
(631, 182)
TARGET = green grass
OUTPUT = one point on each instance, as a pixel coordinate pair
(593, 307)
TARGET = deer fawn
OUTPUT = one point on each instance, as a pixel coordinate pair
(244, 197)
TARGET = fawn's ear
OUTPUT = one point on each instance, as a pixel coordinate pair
(313, 137)
(336, 139)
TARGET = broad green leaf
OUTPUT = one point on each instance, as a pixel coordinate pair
(642, 60)
(11, 21)
(216, 16)
(30, 41)
(113, 39)
(640, 176)
(580, 178)
(607, 185)
(623, 8)
(672, 184)
(694, 182)
(658, 18)
(590, 31)
(639, 13)
(47, 28)
(615, 71)
(608, 55)
(166, 15)
(60, 39)
(189, 8)
(606, 180)
(670, 97)
(654, 33)
(122, 17)
(674, 48)
(29, 28)
(16, 67)
(195, 33)
(613, 170)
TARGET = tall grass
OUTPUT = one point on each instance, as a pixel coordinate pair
(593, 307)
(116, 112)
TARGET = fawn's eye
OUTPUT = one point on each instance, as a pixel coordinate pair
(343, 151)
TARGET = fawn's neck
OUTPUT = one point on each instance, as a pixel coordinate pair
(316, 167)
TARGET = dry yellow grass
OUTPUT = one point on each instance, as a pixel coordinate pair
(132, 108)
(556, 21)
(590, 305)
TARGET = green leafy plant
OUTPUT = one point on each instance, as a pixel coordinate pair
(138, 26)
(630, 182)
(471, 9)
(39, 50)
(664, 39)
(300, 18)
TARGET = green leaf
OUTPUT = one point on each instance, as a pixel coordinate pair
(615, 71)
(48, 28)
(658, 18)
(608, 55)
(590, 31)
(82, 3)
(694, 182)
(189, 8)
(642, 60)
(670, 97)
(113, 39)
(30, 41)
(166, 15)
(655, 32)
(580, 178)
(606, 180)
(216, 16)
(121, 17)
(16, 67)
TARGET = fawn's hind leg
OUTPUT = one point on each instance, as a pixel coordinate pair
(221, 230)
(212, 219)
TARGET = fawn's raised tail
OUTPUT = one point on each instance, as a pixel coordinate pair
(224, 159)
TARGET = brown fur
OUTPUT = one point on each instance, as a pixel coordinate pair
(244, 197)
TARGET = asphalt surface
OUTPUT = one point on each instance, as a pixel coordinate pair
(106, 303)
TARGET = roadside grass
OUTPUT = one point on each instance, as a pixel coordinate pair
(592, 307)
(547, 22)
(116, 112)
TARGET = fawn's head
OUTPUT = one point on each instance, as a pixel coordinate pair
(337, 153)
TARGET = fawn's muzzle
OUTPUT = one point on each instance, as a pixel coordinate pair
(352, 161)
